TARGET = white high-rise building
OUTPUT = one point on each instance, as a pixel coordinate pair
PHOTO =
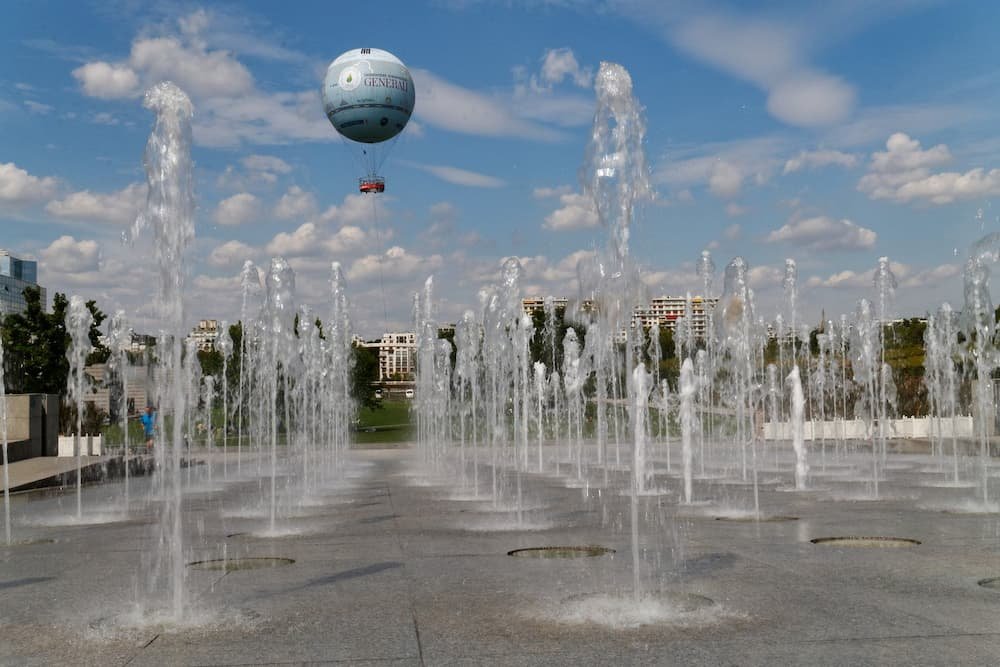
(205, 334)
(397, 353)
(666, 310)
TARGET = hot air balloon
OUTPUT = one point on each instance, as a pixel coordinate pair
(368, 96)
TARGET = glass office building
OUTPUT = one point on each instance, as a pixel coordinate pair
(15, 275)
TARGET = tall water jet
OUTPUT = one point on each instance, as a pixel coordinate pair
(687, 394)
(119, 338)
(616, 177)
(467, 339)
(940, 377)
(864, 351)
(224, 344)
(3, 442)
(249, 283)
(277, 318)
(540, 393)
(790, 286)
(798, 423)
(169, 211)
(706, 271)
(573, 381)
(739, 338)
(979, 326)
(884, 282)
(78, 322)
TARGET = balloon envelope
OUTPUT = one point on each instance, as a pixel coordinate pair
(368, 95)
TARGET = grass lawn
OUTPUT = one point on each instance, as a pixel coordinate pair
(389, 424)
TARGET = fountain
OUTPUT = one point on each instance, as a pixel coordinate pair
(78, 323)
(583, 426)
(169, 212)
(3, 442)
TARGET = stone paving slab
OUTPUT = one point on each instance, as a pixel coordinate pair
(391, 569)
(30, 471)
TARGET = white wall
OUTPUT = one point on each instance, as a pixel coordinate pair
(857, 429)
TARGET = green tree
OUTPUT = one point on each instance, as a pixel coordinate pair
(211, 362)
(99, 353)
(35, 344)
(364, 375)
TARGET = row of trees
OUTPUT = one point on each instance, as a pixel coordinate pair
(36, 342)
(35, 345)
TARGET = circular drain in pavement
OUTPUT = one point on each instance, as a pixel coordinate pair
(675, 602)
(28, 542)
(877, 542)
(764, 518)
(561, 552)
(234, 564)
(992, 582)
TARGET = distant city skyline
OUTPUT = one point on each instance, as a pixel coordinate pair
(828, 133)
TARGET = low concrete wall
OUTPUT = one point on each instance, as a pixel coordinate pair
(857, 429)
(90, 445)
(32, 425)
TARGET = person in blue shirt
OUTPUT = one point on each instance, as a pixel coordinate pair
(148, 419)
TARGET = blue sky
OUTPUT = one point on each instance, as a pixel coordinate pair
(830, 133)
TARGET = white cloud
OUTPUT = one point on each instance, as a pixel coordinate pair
(904, 154)
(395, 264)
(948, 187)
(725, 179)
(871, 124)
(347, 239)
(268, 163)
(846, 279)
(104, 118)
(732, 232)
(38, 107)
(218, 284)
(295, 203)
(237, 210)
(538, 95)
(907, 277)
(933, 277)
(811, 99)
(231, 253)
(261, 118)
(460, 176)
(902, 173)
(723, 166)
(771, 55)
(456, 109)
(119, 207)
(576, 212)
(303, 241)
(824, 233)
(560, 64)
(765, 277)
(18, 187)
(257, 170)
(441, 226)
(819, 158)
(107, 80)
(356, 209)
(67, 255)
(544, 193)
(200, 72)
(734, 210)
(231, 109)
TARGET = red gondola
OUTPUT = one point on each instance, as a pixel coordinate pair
(371, 185)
